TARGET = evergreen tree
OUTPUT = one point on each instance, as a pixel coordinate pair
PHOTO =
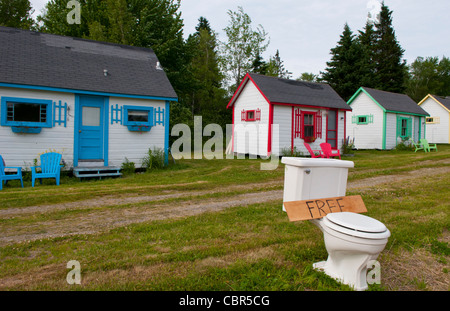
(16, 14)
(390, 69)
(207, 97)
(342, 72)
(275, 67)
(367, 40)
(259, 65)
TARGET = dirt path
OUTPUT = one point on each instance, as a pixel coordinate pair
(135, 210)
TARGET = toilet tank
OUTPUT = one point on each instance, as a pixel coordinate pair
(314, 178)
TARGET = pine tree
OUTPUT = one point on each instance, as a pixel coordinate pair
(390, 69)
(342, 72)
(206, 97)
(275, 67)
(367, 40)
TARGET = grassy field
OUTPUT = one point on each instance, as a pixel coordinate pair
(218, 225)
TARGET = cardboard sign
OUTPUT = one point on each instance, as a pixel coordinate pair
(318, 208)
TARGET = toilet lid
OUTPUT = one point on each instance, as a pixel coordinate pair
(357, 225)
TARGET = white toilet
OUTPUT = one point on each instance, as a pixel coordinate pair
(352, 240)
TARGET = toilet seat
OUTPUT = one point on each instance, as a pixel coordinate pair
(356, 225)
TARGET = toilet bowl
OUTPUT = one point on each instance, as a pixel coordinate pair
(352, 242)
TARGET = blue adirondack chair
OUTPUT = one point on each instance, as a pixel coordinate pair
(49, 168)
(10, 176)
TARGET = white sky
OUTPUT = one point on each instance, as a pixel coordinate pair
(305, 31)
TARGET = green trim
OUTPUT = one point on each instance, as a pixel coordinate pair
(408, 113)
(384, 131)
(361, 89)
(357, 119)
(420, 128)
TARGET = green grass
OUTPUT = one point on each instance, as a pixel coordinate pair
(242, 248)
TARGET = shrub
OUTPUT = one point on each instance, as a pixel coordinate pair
(153, 159)
(128, 167)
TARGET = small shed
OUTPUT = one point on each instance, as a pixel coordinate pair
(382, 120)
(438, 123)
(96, 103)
(274, 115)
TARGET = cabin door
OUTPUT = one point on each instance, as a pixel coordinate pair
(332, 128)
(90, 129)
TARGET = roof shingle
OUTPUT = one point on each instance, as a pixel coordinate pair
(287, 91)
(47, 60)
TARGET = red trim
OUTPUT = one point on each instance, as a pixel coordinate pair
(247, 117)
(269, 143)
(238, 90)
(232, 132)
(241, 87)
(292, 131)
(345, 125)
(336, 139)
(307, 106)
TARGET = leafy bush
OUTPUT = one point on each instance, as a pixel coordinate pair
(153, 159)
(128, 167)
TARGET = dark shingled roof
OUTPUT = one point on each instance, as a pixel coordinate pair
(46, 60)
(285, 91)
(395, 102)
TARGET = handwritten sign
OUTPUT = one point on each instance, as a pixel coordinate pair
(318, 208)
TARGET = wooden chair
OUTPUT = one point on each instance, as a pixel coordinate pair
(427, 146)
(10, 176)
(418, 146)
(313, 152)
(328, 152)
(49, 168)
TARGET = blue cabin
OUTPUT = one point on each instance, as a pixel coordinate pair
(98, 104)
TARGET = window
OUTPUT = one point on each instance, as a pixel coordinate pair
(404, 128)
(432, 120)
(308, 125)
(365, 119)
(25, 112)
(138, 118)
(251, 115)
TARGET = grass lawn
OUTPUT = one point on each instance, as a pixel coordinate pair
(218, 225)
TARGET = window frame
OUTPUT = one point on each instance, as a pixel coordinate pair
(299, 124)
(149, 110)
(404, 132)
(18, 100)
(247, 118)
(311, 127)
(432, 120)
(256, 115)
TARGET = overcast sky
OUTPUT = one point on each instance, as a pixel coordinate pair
(305, 31)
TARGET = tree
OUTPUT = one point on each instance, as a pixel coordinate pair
(308, 77)
(367, 40)
(428, 76)
(243, 46)
(207, 96)
(16, 14)
(275, 67)
(390, 69)
(343, 71)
